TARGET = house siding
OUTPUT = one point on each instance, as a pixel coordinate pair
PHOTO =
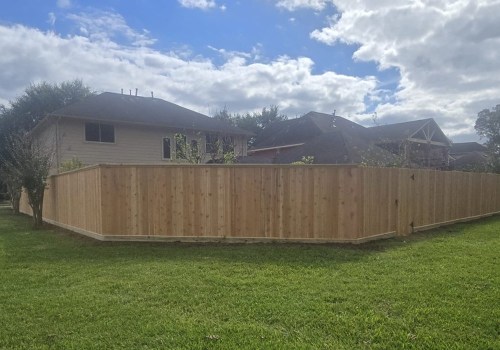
(47, 141)
(133, 144)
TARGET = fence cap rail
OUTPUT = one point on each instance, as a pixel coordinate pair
(236, 165)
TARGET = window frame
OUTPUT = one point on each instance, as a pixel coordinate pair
(163, 147)
(100, 133)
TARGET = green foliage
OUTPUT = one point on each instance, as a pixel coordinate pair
(181, 147)
(71, 164)
(21, 117)
(305, 160)
(28, 164)
(229, 157)
(378, 157)
(187, 151)
(433, 290)
(255, 122)
(12, 182)
(39, 99)
(488, 126)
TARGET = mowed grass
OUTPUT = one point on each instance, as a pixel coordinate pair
(433, 290)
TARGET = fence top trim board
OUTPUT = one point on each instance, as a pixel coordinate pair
(189, 165)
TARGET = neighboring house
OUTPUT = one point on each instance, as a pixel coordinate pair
(329, 139)
(420, 142)
(335, 140)
(468, 156)
(118, 128)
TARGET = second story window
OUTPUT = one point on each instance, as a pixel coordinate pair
(97, 132)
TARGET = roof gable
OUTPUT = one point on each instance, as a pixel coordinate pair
(114, 107)
(415, 129)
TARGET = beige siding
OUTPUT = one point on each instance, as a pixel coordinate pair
(133, 144)
(46, 140)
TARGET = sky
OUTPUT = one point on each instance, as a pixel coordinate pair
(374, 62)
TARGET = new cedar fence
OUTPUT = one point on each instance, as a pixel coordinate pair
(313, 203)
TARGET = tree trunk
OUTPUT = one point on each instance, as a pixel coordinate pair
(37, 216)
(15, 197)
(15, 202)
(36, 204)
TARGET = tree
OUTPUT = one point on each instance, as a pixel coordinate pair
(255, 122)
(21, 117)
(40, 99)
(488, 126)
(13, 185)
(28, 164)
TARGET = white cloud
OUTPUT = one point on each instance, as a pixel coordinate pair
(196, 83)
(64, 4)
(200, 4)
(292, 5)
(105, 25)
(52, 19)
(447, 52)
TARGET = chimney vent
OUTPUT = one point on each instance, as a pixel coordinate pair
(130, 92)
(152, 96)
(122, 91)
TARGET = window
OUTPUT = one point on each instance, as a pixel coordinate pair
(166, 148)
(97, 132)
(227, 144)
(212, 144)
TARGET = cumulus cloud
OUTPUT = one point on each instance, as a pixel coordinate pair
(293, 5)
(194, 82)
(200, 4)
(447, 53)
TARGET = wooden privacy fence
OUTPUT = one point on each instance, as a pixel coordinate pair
(263, 202)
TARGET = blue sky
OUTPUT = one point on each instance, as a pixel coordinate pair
(402, 60)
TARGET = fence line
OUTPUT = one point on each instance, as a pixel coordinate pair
(303, 203)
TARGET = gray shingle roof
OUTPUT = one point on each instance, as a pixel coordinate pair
(336, 147)
(465, 147)
(114, 107)
(329, 139)
(302, 129)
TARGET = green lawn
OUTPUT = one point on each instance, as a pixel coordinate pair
(434, 290)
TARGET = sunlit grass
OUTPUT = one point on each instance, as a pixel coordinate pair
(434, 290)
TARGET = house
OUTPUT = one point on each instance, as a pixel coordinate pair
(421, 143)
(118, 128)
(329, 139)
(468, 156)
(332, 139)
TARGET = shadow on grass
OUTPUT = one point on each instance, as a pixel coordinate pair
(22, 244)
